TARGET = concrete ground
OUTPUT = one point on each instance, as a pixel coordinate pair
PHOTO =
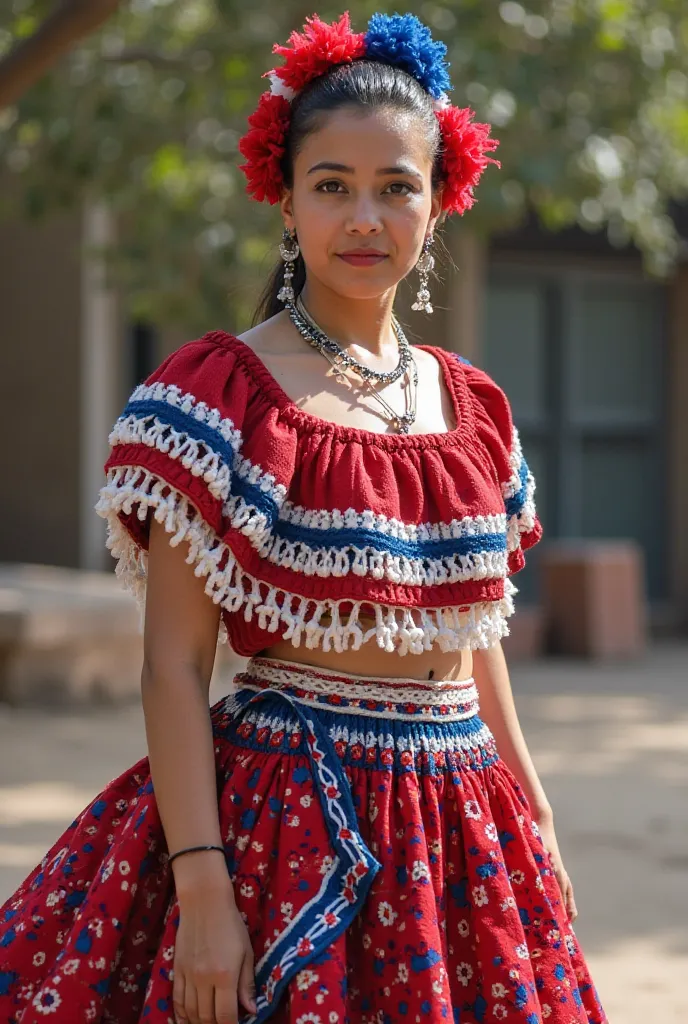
(610, 743)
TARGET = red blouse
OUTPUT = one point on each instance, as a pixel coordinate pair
(302, 528)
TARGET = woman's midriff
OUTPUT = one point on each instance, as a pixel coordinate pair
(371, 660)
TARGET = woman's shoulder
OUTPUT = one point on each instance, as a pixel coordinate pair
(217, 371)
(490, 408)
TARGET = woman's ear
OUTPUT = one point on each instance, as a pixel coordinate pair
(287, 208)
(435, 210)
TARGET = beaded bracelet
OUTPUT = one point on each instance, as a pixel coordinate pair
(193, 849)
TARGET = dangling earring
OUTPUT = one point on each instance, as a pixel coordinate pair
(424, 266)
(289, 251)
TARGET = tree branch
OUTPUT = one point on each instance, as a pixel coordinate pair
(31, 58)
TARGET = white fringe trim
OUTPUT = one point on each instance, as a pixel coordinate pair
(317, 519)
(513, 484)
(365, 561)
(194, 455)
(202, 461)
(395, 628)
(524, 522)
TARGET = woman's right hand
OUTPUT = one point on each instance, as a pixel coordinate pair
(213, 962)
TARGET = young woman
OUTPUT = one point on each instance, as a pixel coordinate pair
(339, 840)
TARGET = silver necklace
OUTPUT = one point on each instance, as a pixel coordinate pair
(315, 336)
(333, 353)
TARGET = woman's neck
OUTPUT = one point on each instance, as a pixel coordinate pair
(354, 323)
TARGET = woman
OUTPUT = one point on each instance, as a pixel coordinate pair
(338, 840)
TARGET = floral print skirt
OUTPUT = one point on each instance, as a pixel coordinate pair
(383, 857)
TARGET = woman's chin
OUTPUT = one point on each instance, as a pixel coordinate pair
(362, 291)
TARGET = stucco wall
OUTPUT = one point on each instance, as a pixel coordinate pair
(40, 316)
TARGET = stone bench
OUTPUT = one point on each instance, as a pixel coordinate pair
(66, 635)
(72, 636)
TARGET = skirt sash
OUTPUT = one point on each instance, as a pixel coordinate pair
(293, 695)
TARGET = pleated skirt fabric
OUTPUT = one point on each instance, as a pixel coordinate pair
(383, 857)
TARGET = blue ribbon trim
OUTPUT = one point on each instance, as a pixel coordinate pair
(340, 539)
(326, 767)
(514, 506)
(184, 422)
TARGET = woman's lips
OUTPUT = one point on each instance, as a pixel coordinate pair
(362, 259)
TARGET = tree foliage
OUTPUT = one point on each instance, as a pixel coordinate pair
(588, 97)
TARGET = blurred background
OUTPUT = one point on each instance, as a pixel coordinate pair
(125, 231)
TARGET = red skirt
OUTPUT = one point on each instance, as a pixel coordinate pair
(382, 855)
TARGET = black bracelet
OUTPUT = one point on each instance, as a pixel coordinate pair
(193, 849)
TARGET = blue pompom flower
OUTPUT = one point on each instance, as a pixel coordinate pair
(405, 42)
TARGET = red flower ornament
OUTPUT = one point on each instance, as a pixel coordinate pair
(263, 146)
(318, 48)
(466, 145)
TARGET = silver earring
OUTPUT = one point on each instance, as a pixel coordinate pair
(424, 266)
(289, 251)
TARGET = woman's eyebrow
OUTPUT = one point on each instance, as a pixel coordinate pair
(401, 169)
(327, 165)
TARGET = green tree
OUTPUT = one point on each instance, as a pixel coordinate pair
(40, 40)
(588, 97)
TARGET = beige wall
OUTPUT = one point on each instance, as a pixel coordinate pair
(40, 320)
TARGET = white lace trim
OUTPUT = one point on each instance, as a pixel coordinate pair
(395, 629)
(298, 556)
(197, 457)
(524, 522)
(187, 402)
(369, 739)
(356, 707)
(436, 695)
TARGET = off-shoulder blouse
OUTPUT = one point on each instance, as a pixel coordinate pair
(326, 535)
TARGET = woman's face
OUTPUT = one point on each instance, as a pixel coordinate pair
(362, 202)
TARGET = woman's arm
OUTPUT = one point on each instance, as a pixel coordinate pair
(180, 637)
(213, 957)
(498, 710)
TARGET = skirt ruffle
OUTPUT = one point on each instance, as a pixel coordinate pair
(388, 870)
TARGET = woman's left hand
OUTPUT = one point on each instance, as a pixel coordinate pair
(549, 839)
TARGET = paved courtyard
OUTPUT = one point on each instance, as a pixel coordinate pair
(611, 745)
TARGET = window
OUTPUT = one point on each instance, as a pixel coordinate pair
(581, 355)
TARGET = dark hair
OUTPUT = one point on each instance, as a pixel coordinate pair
(366, 85)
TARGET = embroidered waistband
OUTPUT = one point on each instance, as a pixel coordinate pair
(399, 698)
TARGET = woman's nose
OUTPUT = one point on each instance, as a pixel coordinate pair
(364, 217)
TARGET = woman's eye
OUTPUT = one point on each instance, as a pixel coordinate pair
(329, 186)
(400, 188)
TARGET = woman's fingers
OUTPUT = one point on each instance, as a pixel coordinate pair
(178, 991)
(206, 1002)
(191, 1003)
(571, 908)
(247, 984)
(226, 1006)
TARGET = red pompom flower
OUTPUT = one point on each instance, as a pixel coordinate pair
(466, 145)
(263, 146)
(318, 48)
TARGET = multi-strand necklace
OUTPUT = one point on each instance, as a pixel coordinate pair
(342, 362)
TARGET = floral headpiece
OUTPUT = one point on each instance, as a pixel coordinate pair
(400, 40)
